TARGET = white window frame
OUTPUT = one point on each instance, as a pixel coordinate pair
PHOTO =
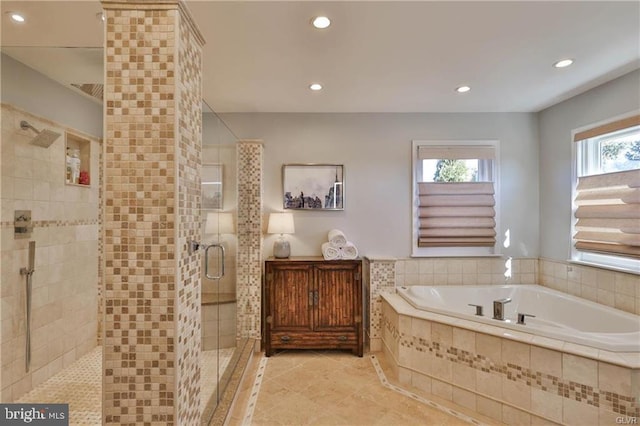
(416, 167)
(578, 165)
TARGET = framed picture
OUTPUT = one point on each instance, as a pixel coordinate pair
(313, 186)
(212, 186)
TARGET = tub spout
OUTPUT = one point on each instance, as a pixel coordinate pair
(498, 308)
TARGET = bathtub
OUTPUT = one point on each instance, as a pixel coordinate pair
(557, 315)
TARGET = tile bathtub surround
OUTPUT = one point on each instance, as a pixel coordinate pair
(65, 228)
(152, 209)
(472, 368)
(383, 275)
(616, 289)
(249, 233)
(466, 271)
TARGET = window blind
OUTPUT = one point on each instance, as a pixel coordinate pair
(456, 214)
(613, 126)
(608, 213)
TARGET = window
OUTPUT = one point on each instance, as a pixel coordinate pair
(454, 198)
(606, 196)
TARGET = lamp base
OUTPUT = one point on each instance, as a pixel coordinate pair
(281, 249)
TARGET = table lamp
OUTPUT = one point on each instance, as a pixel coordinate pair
(281, 223)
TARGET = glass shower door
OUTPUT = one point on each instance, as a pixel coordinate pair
(219, 267)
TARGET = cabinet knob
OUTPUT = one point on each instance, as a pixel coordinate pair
(342, 338)
(285, 339)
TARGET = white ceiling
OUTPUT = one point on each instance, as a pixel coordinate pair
(377, 56)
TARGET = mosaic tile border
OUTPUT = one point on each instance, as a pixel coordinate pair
(620, 404)
(385, 382)
(54, 223)
(255, 392)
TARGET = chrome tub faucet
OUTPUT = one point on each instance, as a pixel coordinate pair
(498, 308)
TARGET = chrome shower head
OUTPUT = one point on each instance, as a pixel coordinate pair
(44, 138)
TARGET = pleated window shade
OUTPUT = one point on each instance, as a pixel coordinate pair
(608, 213)
(456, 214)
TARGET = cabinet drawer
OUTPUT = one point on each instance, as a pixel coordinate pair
(317, 340)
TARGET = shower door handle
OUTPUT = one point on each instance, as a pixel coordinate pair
(206, 262)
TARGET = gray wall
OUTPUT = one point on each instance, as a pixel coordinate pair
(604, 102)
(376, 152)
(31, 91)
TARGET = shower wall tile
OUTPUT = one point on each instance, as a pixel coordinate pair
(66, 281)
(152, 210)
(249, 234)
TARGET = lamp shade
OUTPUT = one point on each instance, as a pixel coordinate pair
(219, 223)
(280, 223)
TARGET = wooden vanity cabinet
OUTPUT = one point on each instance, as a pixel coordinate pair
(312, 303)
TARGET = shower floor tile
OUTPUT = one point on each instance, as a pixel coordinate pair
(80, 385)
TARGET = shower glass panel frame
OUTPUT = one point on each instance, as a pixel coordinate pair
(218, 214)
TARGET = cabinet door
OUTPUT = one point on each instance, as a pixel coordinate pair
(338, 296)
(290, 297)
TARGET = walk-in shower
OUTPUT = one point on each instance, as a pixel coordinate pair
(44, 137)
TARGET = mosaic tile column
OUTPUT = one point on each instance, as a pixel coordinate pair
(249, 232)
(381, 278)
(153, 128)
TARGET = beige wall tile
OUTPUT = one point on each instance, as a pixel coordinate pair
(516, 353)
(516, 393)
(442, 389)
(464, 398)
(488, 407)
(577, 413)
(513, 416)
(546, 404)
(489, 384)
(464, 339)
(546, 361)
(489, 347)
(442, 333)
(580, 370)
(613, 378)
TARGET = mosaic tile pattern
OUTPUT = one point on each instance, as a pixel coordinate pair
(382, 278)
(153, 83)
(255, 391)
(80, 385)
(189, 284)
(615, 402)
(249, 234)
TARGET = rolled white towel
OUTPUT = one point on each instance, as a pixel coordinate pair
(337, 238)
(348, 251)
(329, 252)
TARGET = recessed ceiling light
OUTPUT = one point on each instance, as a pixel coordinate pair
(315, 87)
(321, 22)
(16, 17)
(563, 63)
(463, 89)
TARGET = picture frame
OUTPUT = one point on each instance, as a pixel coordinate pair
(211, 183)
(313, 186)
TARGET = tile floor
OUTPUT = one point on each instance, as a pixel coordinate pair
(335, 388)
(80, 385)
